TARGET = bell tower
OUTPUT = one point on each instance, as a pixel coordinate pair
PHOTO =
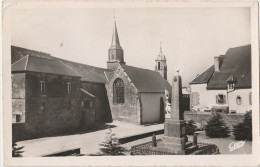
(160, 64)
(115, 52)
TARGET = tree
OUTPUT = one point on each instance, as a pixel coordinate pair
(216, 127)
(111, 146)
(16, 151)
(243, 130)
(191, 127)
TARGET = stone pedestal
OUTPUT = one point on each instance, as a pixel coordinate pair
(175, 138)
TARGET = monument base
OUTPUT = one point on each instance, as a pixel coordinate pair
(175, 139)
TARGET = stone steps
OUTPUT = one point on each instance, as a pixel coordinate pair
(191, 149)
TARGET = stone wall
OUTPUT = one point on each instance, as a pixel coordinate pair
(130, 110)
(53, 113)
(102, 108)
(202, 118)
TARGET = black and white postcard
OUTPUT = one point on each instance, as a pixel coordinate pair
(130, 83)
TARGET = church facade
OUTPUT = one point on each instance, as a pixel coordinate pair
(52, 96)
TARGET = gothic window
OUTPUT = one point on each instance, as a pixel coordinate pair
(118, 89)
(69, 88)
(42, 87)
(159, 66)
(221, 99)
(238, 100)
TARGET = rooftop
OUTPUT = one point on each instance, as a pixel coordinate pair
(236, 63)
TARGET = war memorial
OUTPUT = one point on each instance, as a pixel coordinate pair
(175, 141)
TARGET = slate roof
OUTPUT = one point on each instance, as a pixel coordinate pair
(236, 63)
(17, 53)
(146, 80)
(204, 77)
(87, 72)
(42, 65)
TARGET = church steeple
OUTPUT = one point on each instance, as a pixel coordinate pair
(115, 52)
(161, 65)
(115, 40)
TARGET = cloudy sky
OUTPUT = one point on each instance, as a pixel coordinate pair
(190, 37)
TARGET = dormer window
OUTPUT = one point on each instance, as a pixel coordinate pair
(69, 88)
(231, 82)
(231, 86)
(42, 87)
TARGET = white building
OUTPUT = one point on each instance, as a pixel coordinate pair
(226, 85)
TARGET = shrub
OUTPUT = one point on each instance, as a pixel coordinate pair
(16, 151)
(216, 127)
(243, 130)
(111, 146)
(191, 127)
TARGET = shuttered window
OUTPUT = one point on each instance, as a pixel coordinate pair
(221, 99)
(195, 98)
(42, 87)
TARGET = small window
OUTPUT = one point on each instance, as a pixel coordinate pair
(42, 87)
(69, 88)
(221, 99)
(18, 118)
(69, 105)
(239, 100)
(89, 104)
(250, 98)
(233, 111)
(82, 103)
(159, 65)
(42, 106)
(230, 86)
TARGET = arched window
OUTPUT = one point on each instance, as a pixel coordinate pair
(119, 94)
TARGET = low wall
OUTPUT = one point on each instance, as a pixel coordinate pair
(18, 131)
(202, 118)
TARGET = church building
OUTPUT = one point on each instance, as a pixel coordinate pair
(51, 95)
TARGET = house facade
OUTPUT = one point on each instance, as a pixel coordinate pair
(226, 85)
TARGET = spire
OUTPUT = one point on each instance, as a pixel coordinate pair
(115, 52)
(161, 56)
(115, 39)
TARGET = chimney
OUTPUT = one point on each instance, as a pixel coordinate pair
(216, 63)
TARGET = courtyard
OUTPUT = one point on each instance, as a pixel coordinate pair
(89, 141)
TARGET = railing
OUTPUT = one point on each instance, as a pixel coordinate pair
(145, 149)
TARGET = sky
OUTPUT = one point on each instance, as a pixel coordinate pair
(190, 37)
